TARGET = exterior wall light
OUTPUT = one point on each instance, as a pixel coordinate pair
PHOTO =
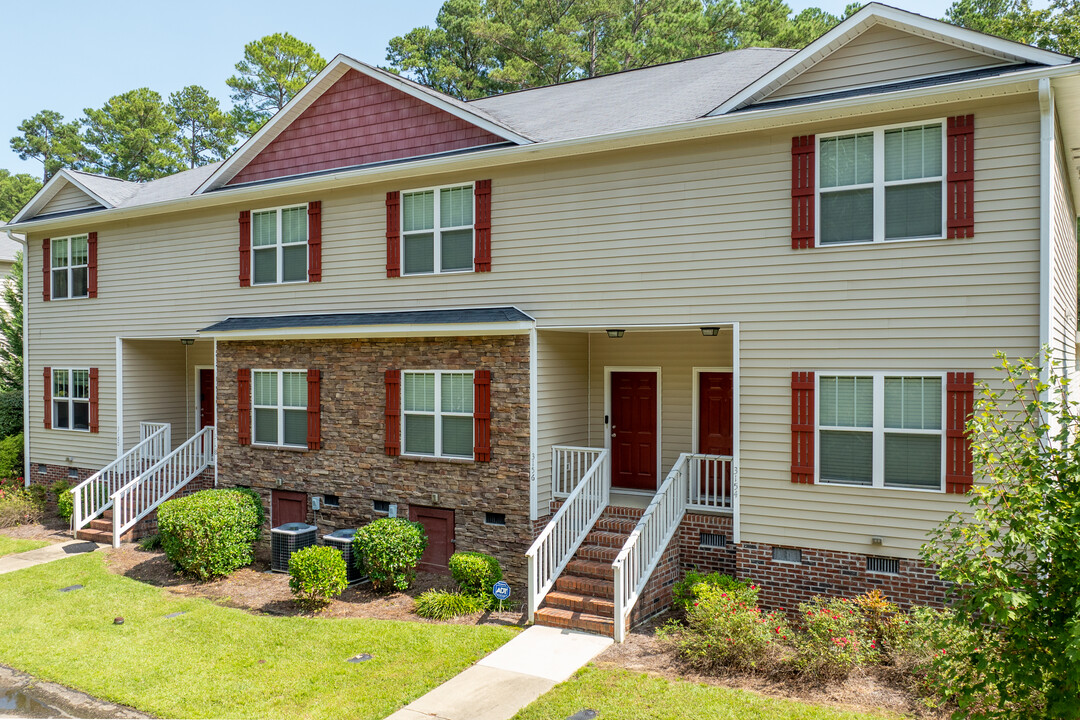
(615, 333)
(710, 331)
(187, 341)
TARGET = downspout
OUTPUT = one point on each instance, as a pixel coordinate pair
(26, 365)
(1046, 164)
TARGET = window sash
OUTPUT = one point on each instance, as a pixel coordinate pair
(437, 230)
(280, 245)
(879, 430)
(438, 414)
(879, 184)
(69, 270)
(285, 414)
(66, 404)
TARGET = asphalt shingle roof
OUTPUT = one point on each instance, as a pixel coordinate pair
(404, 317)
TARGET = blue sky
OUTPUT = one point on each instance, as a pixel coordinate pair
(71, 55)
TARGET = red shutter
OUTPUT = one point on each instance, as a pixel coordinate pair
(393, 237)
(960, 176)
(960, 402)
(482, 415)
(243, 406)
(482, 226)
(91, 268)
(46, 260)
(802, 427)
(94, 400)
(314, 240)
(314, 410)
(48, 396)
(245, 249)
(802, 192)
(393, 413)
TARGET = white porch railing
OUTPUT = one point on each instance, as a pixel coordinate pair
(712, 482)
(561, 538)
(161, 481)
(569, 465)
(92, 496)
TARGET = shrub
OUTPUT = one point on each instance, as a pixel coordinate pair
(11, 456)
(683, 592)
(256, 500)
(475, 573)
(65, 501)
(441, 605)
(833, 640)
(317, 574)
(725, 630)
(932, 653)
(150, 542)
(11, 412)
(18, 506)
(388, 550)
(210, 533)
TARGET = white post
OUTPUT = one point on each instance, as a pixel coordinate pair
(620, 623)
(533, 584)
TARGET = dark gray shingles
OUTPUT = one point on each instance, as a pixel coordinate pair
(404, 317)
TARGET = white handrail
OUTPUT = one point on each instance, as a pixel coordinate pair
(92, 496)
(553, 549)
(569, 465)
(161, 481)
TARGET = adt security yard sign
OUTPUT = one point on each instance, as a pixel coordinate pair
(501, 590)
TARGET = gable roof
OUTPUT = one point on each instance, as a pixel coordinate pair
(875, 14)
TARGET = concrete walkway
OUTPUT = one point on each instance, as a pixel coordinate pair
(30, 558)
(509, 678)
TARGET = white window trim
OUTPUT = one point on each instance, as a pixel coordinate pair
(70, 399)
(280, 407)
(436, 230)
(69, 267)
(278, 245)
(879, 183)
(438, 413)
(878, 430)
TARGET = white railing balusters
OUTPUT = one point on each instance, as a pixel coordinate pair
(92, 496)
(568, 467)
(710, 486)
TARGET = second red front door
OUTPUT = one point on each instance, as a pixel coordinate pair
(206, 398)
(716, 413)
(633, 430)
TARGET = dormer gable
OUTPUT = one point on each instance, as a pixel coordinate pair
(71, 192)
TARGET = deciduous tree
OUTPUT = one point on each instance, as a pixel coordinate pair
(15, 191)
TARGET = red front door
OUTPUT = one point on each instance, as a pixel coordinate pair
(716, 436)
(206, 398)
(633, 430)
(287, 507)
(439, 528)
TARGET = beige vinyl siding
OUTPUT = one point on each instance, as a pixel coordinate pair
(68, 199)
(1063, 267)
(160, 385)
(882, 55)
(562, 401)
(695, 233)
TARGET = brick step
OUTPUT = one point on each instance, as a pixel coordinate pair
(100, 524)
(606, 538)
(591, 568)
(593, 587)
(620, 525)
(580, 603)
(102, 536)
(560, 618)
(599, 553)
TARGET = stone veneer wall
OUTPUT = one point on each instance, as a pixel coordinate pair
(352, 463)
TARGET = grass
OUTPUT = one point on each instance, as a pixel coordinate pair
(624, 695)
(9, 546)
(214, 661)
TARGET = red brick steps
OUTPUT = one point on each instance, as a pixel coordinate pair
(99, 530)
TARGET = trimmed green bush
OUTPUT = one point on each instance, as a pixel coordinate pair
(210, 533)
(443, 605)
(475, 573)
(684, 592)
(11, 412)
(256, 500)
(65, 501)
(389, 550)
(11, 456)
(317, 575)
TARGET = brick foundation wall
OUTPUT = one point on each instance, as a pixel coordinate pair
(352, 463)
(52, 474)
(695, 556)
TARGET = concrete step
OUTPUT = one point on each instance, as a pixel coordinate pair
(593, 587)
(560, 618)
(599, 553)
(591, 568)
(580, 603)
(605, 538)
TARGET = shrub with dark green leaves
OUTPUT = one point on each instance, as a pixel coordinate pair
(834, 639)
(11, 412)
(65, 501)
(256, 501)
(475, 573)
(683, 592)
(11, 456)
(317, 575)
(210, 533)
(442, 605)
(389, 550)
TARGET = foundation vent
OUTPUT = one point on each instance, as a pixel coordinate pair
(889, 566)
(492, 518)
(787, 555)
(712, 540)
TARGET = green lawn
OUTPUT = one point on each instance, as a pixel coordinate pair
(623, 695)
(215, 661)
(9, 546)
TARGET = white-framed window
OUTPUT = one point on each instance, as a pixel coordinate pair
(437, 406)
(69, 267)
(71, 399)
(879, 184)
(279, 407)
(437, 230)
(279, 245)
(881, 430)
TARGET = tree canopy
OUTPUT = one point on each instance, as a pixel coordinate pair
(56, 144)
(15, 192)
(132, 137)
(273, 69)
(204, 133)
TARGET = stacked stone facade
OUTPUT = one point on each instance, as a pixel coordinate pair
(352, 463)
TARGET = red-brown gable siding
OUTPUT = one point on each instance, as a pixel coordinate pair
(361, 120)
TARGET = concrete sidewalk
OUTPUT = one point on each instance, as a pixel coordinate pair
(30, 558)
(509, 678)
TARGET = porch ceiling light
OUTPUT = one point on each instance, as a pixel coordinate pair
(710, 331)
(613, 333)
(187, 341)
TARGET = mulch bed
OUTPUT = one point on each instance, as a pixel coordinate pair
(52, 529)
(258, 590)
(868, 691)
